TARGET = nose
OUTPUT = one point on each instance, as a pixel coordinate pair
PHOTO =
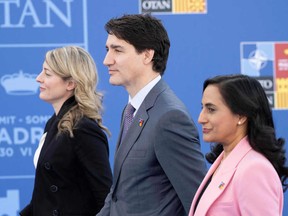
(39, 77)
(201, 118)
(108, 59)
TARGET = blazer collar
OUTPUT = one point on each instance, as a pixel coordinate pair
(222, 178)
(67, 105)
(52, 125)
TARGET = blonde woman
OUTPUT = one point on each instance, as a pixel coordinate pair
(73, 174)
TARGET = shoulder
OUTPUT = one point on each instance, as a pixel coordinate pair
(89, 126)
(162, 96)
(257, 186)
(168, 104)
(87, 122)
(254, 159)
(255, 168)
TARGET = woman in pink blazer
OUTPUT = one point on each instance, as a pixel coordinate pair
(248, 173)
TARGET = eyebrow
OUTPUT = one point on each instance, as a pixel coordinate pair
(113, 46)
(46, 69)
(208, 104)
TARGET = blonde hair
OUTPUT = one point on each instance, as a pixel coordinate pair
(72, 62)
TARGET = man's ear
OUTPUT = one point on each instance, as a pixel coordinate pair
(148, 56)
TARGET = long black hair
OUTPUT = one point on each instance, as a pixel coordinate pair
(245, 96)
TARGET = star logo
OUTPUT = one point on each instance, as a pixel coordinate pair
(258, 59)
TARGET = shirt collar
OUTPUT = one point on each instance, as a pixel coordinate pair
(137, 100)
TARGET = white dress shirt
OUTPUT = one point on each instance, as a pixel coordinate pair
(137, 100)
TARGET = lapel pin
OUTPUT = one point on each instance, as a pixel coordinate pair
(221, 185)
(141, 121)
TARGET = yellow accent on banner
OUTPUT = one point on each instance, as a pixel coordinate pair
(189, 6)
(282, 93)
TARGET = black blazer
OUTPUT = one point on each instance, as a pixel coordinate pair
(73, 175)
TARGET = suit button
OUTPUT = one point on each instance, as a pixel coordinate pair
(114, 198)
(55, 213)
(47, 166)
(53, 188)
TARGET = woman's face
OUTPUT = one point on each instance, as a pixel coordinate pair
(53, 89)
(219, 124)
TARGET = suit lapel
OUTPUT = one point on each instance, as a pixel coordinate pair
(139, 122)
(133, 133)
(51, 133)
(121, 131)
(52, 127)
(204, 182)
(216, 187)
(223, 176)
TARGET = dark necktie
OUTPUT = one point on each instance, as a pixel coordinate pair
(128, 118)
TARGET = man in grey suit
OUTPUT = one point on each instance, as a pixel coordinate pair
(158, 165)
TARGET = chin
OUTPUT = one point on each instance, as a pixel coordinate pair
(42, 97)
(114, 82)
(207, 139)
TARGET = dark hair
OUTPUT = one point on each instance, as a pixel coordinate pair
(245, 96)
(143, 32)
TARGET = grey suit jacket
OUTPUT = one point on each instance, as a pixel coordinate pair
(158, 166)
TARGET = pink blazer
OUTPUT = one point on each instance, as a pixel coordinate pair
(245, 184)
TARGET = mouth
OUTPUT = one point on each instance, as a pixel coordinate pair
(111, 72)
(205, 130)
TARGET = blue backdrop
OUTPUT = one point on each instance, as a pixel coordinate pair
(207, 38)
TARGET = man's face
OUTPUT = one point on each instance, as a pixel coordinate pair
(125, 65)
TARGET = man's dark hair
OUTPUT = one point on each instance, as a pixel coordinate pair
(144, 32)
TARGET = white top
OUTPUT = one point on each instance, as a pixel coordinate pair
(38, 150)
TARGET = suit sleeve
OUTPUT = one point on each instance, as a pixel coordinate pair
(178, 151)
(93, 153)
(258, 189)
